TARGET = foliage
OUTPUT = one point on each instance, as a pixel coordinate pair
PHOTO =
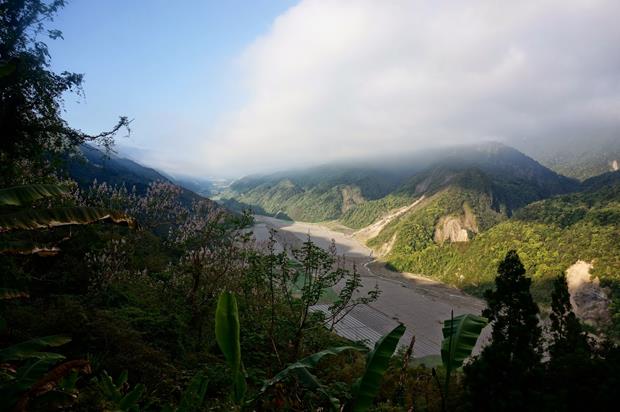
(116, 392)
(26, 194)
(507, 372)
(227, 333)
(31, 96)
(301, 370)
(28, 372)
(367, 387)
(567, 335)
(193, 395)
(460, 335)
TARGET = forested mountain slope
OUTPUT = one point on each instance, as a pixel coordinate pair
(358, 195)
(93, 164)
(316, 194)
(550, 236)
(577, 157)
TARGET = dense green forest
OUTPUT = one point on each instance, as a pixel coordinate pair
(115, 297)
(359, 195)
(550, 236)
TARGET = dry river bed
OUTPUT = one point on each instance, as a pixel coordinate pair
(419, 303)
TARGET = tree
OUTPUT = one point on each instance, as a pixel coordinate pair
(567, 335)
(573, 375)
(506, 375)
(31, 95)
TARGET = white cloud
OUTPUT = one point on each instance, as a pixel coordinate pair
(335, 79)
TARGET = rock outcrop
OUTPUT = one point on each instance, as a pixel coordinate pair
(589, 300)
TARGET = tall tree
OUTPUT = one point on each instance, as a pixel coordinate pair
(573, 375)
(31, 94)
(567, 335)
(507, 374)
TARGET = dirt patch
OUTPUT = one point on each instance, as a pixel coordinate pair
(449, 229)
(456, 229)
(367, 233)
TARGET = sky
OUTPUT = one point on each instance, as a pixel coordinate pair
(229, 88)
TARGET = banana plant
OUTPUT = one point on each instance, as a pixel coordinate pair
(18, 215)
(193, 396)
(460, 336)
(301, 369)
(227, 334)
(29, 370)
(116, 393)
(367, 387)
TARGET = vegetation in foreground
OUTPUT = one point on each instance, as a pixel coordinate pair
(116, 300)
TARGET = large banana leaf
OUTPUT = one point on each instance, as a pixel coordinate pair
(194, 395)
(301, 370)
(23, 195)
(47, 218)
(227, 334)
(8, 294)
(31, 349)
(28, 248)
(460, 336)
(378, 361)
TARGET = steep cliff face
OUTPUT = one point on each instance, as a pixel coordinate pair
(456, 228)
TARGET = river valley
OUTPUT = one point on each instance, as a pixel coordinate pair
(419, 303)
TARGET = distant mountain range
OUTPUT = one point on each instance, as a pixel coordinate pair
(347, 192)
(93, 164)
(580, 158)
(452, 214)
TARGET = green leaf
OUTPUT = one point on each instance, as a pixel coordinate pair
(7, 69)
(301, 370)
(193, 396)
(227, 334)
(460, 336)
(30, 349)
(122, 378)
(130, 401)
(22, 195)
(376, 365)
(47, 218)
(308, 362)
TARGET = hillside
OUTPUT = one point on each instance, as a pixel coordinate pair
(506, 177)
(112, 169)
(577, 157)
(358, 195)
(93, 164)
(317, 194)
(550, 235)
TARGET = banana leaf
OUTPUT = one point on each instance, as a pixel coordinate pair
(301, 370)
(47, 218)
(460, 336)
(28, 248)
(227, 334)
(194, 395)
(8, 294)
(367, 388)
(31, 349)
(23, 195)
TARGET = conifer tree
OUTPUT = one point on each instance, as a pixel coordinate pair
(567, 335)
(507, 374)
(572, 373)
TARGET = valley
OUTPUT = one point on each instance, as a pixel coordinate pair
(421, 304)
